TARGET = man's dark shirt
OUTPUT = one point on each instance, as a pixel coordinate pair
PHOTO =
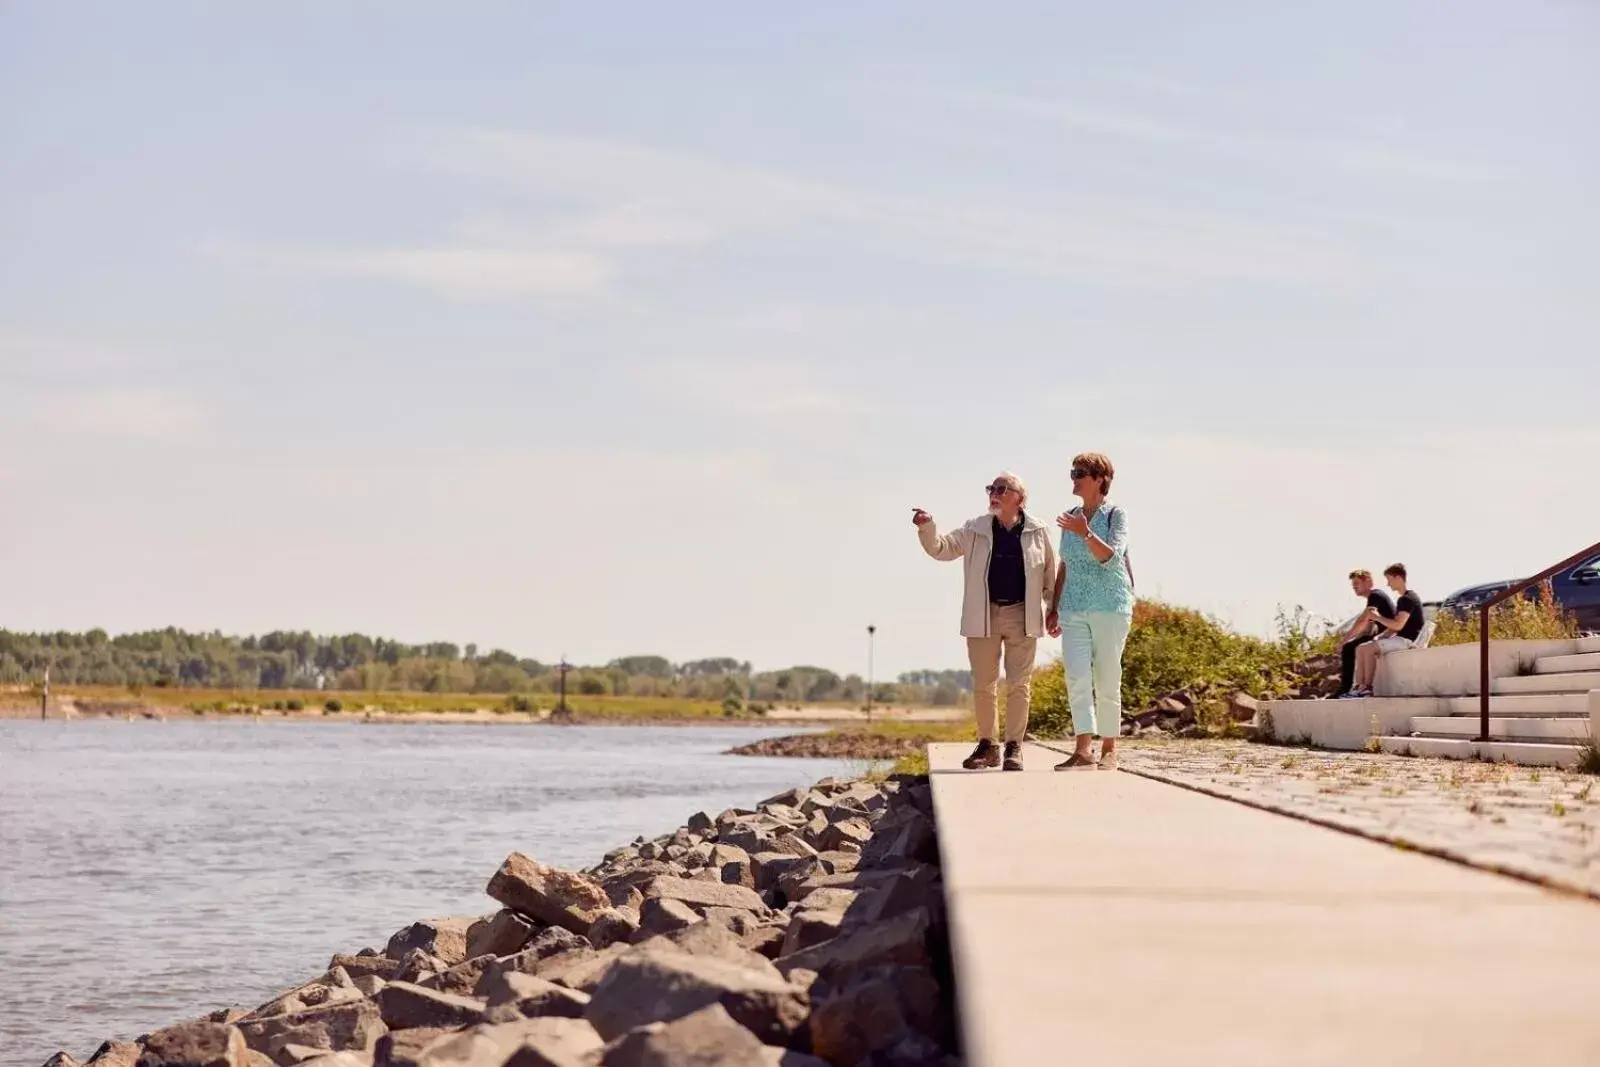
(1008, 583)
(1379, 601)
(1410, 601)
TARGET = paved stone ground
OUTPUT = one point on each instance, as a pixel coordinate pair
(1536, 823)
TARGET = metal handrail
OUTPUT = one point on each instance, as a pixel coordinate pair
(1483, 627)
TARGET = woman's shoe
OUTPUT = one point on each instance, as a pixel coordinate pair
(1077, 763)
(1108, 762)
(1013, 756)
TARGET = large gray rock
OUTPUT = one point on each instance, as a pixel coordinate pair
(417, 965)
(444, 938)
(769, 867)
(502, 934)
(663, 916)
(847, 831)
(614, 925)
(406, 1006)
(874, 1012)
(810, 927)
(717, 941)
(735, 919)
(355, 1025)
(901, 940)
(356, 966)
(334, 987)
(338, 1059)
(115, 1054)
(462, 979)
(534, 997)
(548, 894)
(584, 972)
(858, 880)
(661, 985)
(200, 1044)
(705, 1038)
(552, 1042)
(702, 895)
(62, 1059)
(547, 944)
(404, 1048)
(736, 872)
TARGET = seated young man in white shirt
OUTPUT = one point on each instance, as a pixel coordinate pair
(1395, 633)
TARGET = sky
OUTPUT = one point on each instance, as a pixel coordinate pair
(616, 329)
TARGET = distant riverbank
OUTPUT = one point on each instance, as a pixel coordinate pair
(335, 707)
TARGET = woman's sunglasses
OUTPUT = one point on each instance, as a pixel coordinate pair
(1079, 472)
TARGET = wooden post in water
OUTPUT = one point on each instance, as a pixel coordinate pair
(44, 699)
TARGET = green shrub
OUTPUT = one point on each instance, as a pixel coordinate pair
(518, 702)
(732, 705)
(333, 705)
(294, 704)
(593, 687)
(1048, 714)
(1528, 618)
(1171, 648)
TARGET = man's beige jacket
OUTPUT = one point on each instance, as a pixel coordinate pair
(974, 541)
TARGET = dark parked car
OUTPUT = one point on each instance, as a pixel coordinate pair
(1577, 589)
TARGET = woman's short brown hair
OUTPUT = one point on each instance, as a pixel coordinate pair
(1098, 466)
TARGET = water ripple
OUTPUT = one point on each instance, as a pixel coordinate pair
(154, 872)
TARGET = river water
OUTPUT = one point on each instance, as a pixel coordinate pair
(151, 872)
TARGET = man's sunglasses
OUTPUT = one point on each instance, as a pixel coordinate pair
(1079, 472)
(996, 489)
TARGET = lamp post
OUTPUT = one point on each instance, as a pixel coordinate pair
(562, 669)
(871, 632)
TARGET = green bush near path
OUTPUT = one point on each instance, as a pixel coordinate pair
(1171, 648)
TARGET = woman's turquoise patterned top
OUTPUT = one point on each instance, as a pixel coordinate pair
(1092, 585)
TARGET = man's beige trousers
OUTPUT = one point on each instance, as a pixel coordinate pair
(1008, 638)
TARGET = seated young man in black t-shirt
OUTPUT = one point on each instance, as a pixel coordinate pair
(1360, 631)
(1395, 633)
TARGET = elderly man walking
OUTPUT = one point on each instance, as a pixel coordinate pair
(1008, 604)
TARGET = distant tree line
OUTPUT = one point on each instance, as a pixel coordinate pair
(303, 660)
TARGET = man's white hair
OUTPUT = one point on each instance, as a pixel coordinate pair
(1014, 480)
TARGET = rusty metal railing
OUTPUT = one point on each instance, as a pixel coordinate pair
(1483, 627)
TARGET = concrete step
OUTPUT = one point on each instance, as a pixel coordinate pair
(1573, 730)
(1531, 754)
(1581, 661)
(1589, 644)
(1522, 704)
(1569, 682)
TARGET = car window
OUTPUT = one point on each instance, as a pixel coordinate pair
(1588, 565)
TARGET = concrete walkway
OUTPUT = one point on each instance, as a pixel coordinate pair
(1117, 921)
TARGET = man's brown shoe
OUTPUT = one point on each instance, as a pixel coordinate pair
(1013, 756)
(987, 754)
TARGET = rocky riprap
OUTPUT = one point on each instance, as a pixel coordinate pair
(840, 744)
(807, 931)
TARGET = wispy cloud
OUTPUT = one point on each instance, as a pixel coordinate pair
(1284, 147)
(1071, 239)
(134, 413)
(764, 388)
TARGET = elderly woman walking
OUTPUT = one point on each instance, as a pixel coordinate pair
(1094, 612)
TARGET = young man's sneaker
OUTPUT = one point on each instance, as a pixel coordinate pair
(1013, 756)
(987, 754)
